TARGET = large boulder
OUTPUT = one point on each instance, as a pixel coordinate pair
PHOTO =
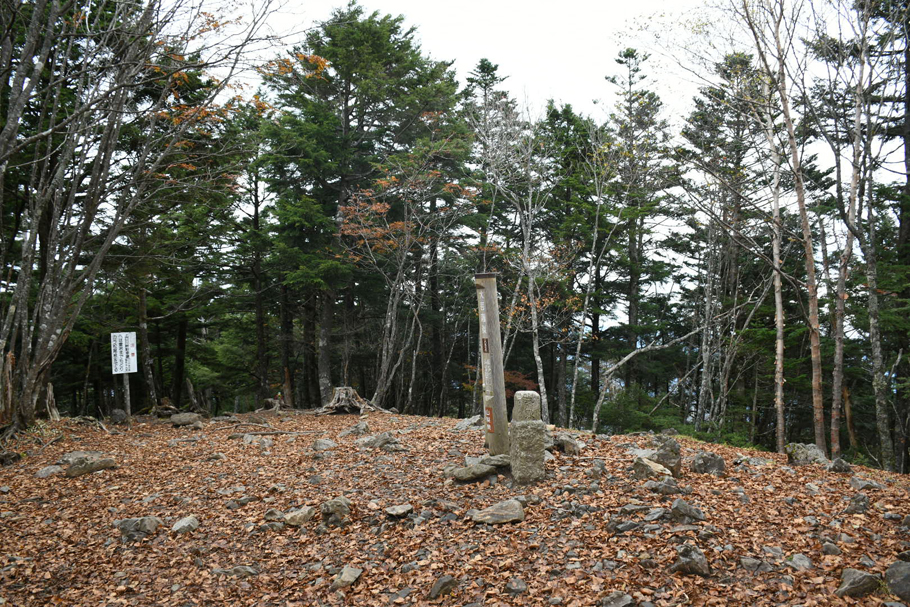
(801, 454)
(898, 579)
(706, 462)
(669, 456)
(185, 419)
(644, 468)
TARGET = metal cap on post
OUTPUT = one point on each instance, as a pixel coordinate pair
(494, 386)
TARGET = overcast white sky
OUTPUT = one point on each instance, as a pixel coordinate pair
(560, 50)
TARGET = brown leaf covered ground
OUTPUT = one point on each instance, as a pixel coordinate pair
(59, 545)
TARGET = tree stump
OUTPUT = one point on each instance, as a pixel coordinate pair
(346, 400)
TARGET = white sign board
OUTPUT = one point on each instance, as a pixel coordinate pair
(123, 353)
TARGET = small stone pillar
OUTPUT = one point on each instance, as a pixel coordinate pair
(526, 453)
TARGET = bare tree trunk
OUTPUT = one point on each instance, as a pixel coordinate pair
(535, 347)
(323, 347)
(145, 350)
(287, 344)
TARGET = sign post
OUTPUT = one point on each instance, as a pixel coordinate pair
(123, 360)
(494, 387)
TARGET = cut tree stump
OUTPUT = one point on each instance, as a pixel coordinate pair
(346, 400)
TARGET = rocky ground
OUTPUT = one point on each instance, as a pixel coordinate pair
(405, 511)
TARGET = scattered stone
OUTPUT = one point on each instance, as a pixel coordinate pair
(684, 513)
(755, 565)
(358, 429)
(617, 598)
(186, 525)
(516, 586)
(669, 456)
(665, 486)
(119, 416)
(568, 445)
(859, 503)
(856, 583)
(383, 440)
(509, 511)
(135, 529)
(643, 468)
(273, 514)
(706, 462)
(324, 444)
(839, 466)
(347, 577)
(185, 419)
(830, 549)
(861, 484)
(296, 518)
(502, 460)
(49, 471)
(444, 585)
(473, 473)
(240, 571)
(399, 511)
(79, 466)
(469, 423)
(336, 511)
(801, 454)
(898, 579)
(215, 457)
(691, 561)
(800, 562)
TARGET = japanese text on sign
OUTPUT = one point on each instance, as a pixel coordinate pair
(123, 353)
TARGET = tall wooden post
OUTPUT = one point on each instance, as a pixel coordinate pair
(494, 386)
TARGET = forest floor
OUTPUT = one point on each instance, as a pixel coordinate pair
(59, 543)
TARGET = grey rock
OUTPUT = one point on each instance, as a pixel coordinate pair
(273, 514)
(509, 511)
(87, 465)
(898, 578)
(49, 471)
(215, 457)
(383, 440)
(502, 460)
(358, 429)
(119, 416)
(691, 561)
(617, 598)
(186, 525)
(473, 473)
(801, 454)
(399, 511)
(527, 451)
(240, 571)
(185, 419)
(669, 456)
(336, 511)
(516, 586)
(856, 583)
(839, 466)
(134, 529)
(469, 423)
(706, 462)
(568, 445)
(859, 503)
(665, 486)
(861, 484)
(830, 549)
(348, 576)
(444, 585)
(655, 514)
(755, 565)
(324, 444)
(800, 562)
(684, 513)
(527, 407)
(644, 468)
(300, 516)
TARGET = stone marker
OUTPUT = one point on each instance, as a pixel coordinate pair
(527, 431)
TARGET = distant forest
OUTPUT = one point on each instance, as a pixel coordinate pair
(745, 278)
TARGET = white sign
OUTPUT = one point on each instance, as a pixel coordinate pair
(123, 353)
